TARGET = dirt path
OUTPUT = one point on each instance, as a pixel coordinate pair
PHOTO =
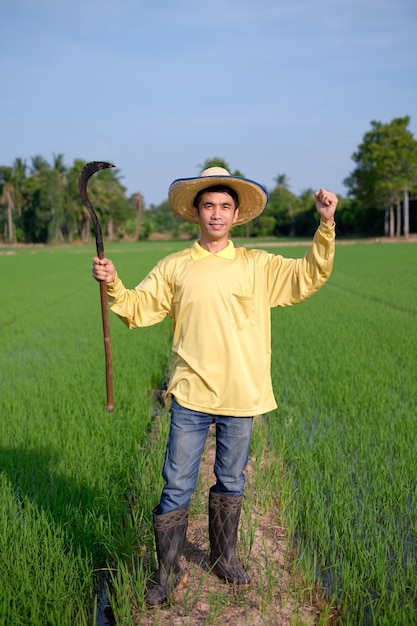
(271, 599)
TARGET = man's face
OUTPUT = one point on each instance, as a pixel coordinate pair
(216, 215)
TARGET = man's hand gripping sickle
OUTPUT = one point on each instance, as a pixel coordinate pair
(103, 270)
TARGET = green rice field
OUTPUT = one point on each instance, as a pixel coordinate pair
(77, 484)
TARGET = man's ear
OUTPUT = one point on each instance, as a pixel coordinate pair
(196, 213)
(235, 216)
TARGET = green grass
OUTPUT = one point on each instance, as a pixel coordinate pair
(77, 484)
(345, 368)
(67, 466)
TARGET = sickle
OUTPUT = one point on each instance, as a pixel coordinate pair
(88, 170)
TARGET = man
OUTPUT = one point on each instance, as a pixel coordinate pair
(219, 298)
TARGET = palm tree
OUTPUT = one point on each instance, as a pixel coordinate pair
(286, 199)
(6, 198)
(282, 181)
(214, 162)
(59, 225)
(138, 204)
(11, 181)
(39, 166)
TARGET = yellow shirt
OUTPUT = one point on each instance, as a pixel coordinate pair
(220, 308)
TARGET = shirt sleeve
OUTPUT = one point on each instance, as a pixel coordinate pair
(290, 281)
(146, 304)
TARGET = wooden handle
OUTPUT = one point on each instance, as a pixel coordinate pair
(107, 346)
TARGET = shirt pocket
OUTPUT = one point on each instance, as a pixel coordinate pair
(242, 310)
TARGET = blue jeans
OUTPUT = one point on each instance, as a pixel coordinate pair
(186, 441)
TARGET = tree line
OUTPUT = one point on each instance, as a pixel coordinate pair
(40, 202)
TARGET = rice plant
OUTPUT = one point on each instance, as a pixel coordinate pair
(344, 368)
(77, 484)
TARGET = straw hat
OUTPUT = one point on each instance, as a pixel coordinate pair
(252, 196)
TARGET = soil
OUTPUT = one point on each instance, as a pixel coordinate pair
(203, 599)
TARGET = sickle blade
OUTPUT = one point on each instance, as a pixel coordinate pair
(87, 171)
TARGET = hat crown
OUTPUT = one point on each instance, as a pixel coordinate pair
(215, 171)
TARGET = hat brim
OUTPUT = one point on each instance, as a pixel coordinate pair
(252, 196)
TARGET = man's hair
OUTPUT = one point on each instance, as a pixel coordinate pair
(218, 189)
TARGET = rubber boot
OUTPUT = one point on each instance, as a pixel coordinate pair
(170, 530)
(224, 515)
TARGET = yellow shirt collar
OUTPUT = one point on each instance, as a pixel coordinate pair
(198, 253)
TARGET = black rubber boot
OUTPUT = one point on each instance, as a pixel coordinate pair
(170, 530)
(224, 515)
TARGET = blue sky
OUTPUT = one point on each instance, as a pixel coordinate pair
(159, 86)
